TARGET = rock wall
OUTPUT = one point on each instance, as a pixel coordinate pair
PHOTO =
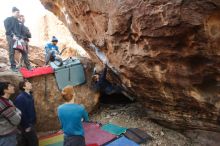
(49, 25)
(48, 97)
(165, 53)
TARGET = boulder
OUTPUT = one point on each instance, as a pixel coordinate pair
(165, 53)
(47, 96)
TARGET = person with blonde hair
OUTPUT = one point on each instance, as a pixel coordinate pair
(71, 115)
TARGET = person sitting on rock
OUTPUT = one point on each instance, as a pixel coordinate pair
(70, 116)
(101, 84)
(52, 51)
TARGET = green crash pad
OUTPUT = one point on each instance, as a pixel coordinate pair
(114, 129)
(70, 73)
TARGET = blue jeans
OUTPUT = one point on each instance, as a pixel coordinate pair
(51, 56)
(9, 140)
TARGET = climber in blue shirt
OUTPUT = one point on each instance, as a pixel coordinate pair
(71, 115)
(52, 51)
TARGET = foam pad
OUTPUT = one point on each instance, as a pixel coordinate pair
(122, 141)
(36, 71)
(114, 129)
(137, 135)
(95, 135)
(52, 140)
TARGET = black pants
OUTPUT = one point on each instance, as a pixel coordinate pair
(74, 141)
(27, 138)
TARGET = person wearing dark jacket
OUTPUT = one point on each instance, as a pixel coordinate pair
(101, 84)
(25, 102)
(13, 32)
(26, 35)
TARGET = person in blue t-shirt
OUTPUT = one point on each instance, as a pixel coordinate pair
(71, 115)
(52, 51)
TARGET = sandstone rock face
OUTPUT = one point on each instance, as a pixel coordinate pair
(49, 25)
(166, 53)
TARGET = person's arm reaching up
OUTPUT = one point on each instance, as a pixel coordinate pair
(103, 74)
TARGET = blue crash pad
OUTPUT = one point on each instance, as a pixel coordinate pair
(122, 141)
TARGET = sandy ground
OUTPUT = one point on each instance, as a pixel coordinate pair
(129, 115)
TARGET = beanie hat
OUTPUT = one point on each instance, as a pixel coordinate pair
(14, 9)
(54, 39)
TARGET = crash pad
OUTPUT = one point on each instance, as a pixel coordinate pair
(114, 129)
(52, 140)
(94, 134)
(123, 141)
(92, 144)
(137, 135)
(56, 144)
(70, 73)
(36, 71)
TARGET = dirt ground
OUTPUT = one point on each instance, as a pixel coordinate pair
(130, 116)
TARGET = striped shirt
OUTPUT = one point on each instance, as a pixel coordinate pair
(9, 117)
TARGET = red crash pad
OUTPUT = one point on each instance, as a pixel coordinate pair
(36, 71)
(95, 135)
(92, 145)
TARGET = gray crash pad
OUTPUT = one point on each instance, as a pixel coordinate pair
(70, 73)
